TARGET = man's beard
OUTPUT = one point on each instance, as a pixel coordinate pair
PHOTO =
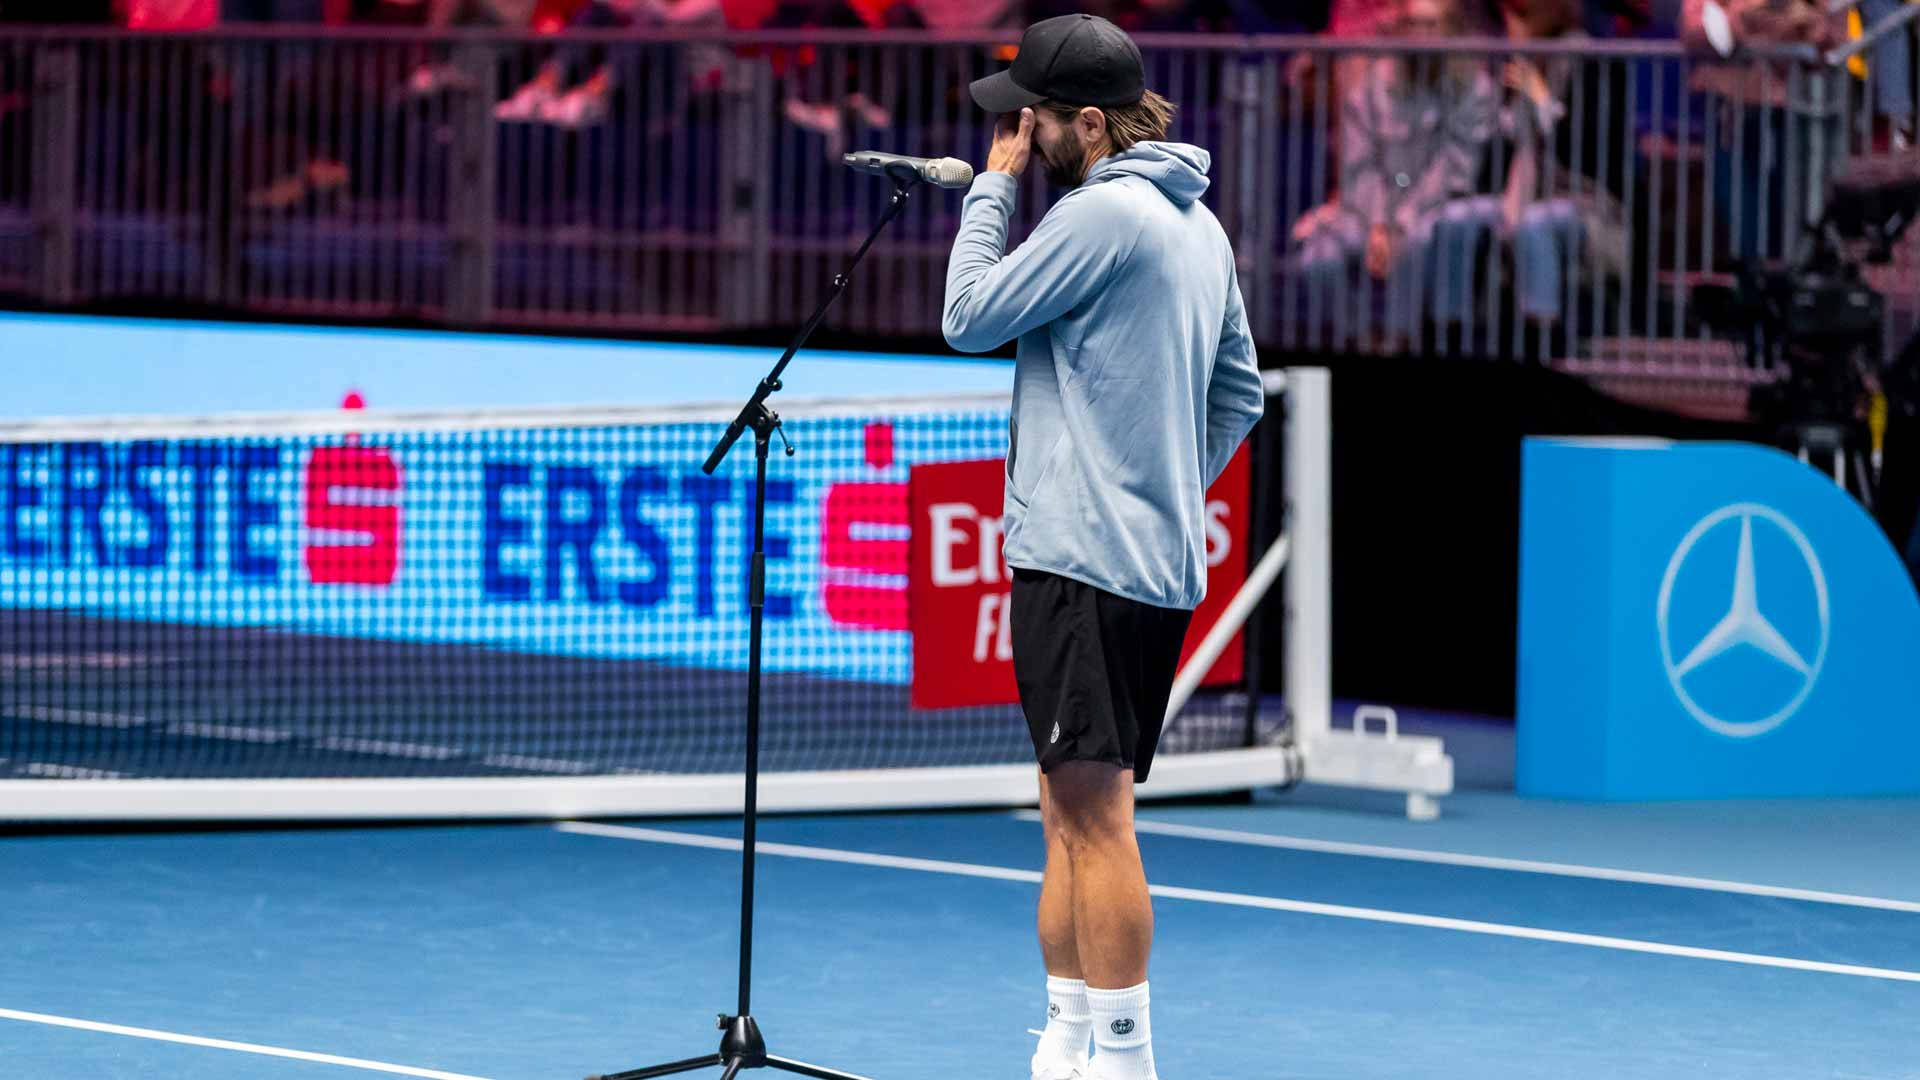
(1064, 167)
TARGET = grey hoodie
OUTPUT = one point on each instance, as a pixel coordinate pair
(1136, 378)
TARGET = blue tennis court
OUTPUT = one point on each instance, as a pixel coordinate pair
(1312, 935)
(1479, 474)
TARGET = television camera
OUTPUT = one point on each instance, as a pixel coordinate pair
(1817, 321)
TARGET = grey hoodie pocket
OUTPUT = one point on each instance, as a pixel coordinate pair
(1037, 469)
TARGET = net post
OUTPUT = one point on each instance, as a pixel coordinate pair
(1308, 593)
(1241, 610)
(1265, 475)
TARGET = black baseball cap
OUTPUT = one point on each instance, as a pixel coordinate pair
(1076, 59)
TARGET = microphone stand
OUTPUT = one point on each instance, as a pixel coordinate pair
(742, 1046)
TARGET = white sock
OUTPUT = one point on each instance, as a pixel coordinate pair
(1122, 1036)
(1068, 1021)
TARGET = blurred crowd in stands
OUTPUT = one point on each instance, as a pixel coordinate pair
(570, 88)
(1416, 190)
(1438, 157)
(1350, 17)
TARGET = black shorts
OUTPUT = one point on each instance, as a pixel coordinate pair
(1095, 670)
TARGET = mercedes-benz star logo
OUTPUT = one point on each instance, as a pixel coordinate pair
(1746, 622)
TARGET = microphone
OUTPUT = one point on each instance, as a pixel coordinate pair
(943, 172)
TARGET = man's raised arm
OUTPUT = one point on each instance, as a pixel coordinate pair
(993, 298)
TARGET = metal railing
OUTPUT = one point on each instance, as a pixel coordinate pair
(365, 174)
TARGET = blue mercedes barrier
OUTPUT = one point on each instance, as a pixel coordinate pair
(1708, 621)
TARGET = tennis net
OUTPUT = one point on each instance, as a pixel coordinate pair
(500, 614)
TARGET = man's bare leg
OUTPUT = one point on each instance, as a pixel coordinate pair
(1090, 805)
(1063, 1045)
(1112, 913)
(1058, 948)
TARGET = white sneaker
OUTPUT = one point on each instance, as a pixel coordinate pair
(820, 119)
(577, 108)
(1093, 1072)
(526, 104)
(1050, 1067)
(874, 114)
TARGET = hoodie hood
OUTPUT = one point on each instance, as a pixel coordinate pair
(1179, 170)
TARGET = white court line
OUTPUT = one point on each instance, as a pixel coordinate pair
(249, 734)
(1525, 866)
(48, 714)
(231, 732)
(538, 764)
(1269, 903)
(56, 771)
(389, 748)
(224, 1044)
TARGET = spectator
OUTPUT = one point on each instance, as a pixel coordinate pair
(268, 89)
(969, 14)
(1762, 22)
(1344, 19)
(1753, 123)
(1312, 75)
(1554, 216)
(434, 77)
(545, 97)
(829, 117)
(172, 14)
(1890, 67)
(1175, 16)
(513, 14)
(710, 67)
(1359, 18)
(1620, 18)
(1413, 132)
(308, 170)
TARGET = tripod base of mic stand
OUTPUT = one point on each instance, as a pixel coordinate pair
(742, 1047)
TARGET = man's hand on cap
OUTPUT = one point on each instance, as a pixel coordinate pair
(1012, 143)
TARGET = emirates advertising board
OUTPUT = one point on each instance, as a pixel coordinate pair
(960, 588)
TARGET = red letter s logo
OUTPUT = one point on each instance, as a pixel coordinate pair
(353, 516)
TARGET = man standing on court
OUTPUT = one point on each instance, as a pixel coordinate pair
(1135, 383)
